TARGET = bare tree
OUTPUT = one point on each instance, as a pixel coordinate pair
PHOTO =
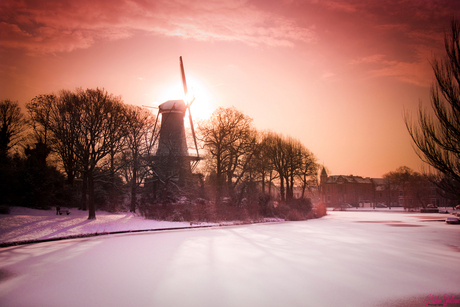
(307, 172)
(98, 130)
(413, 185)
(12, 125)
(291, 162)
(437, 138)
(39, 109)
(264, 164)
(139, 125)
(54, 120)
(231, 142)
(276, 151)
(64, 121)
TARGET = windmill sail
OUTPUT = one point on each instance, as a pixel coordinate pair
(182, 72)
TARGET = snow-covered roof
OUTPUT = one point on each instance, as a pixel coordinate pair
(379, 181)
(348, 179)
(172, 105)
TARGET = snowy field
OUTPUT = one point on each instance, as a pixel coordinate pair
(25, 224)
(343, 259)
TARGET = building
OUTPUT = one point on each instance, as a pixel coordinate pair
(370, 192)
(340, 190)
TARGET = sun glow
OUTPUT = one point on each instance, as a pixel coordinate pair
(202, 106)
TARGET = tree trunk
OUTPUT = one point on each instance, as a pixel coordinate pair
(70, 178)
(134, 189)
(282, 191)
(84, 190)
(91, 205)
(270, 184)
(218, 180)
(288, 188)
(263, 182)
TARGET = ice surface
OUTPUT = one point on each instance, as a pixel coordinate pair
(343, 259)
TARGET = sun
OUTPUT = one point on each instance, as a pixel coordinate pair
(202, 106)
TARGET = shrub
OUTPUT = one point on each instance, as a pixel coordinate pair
(320, 210)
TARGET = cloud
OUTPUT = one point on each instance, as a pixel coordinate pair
(327, 75)
(375, 58)
(417, 71)
(340, 6)
(64, 25)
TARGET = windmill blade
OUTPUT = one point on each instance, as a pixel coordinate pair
(154, 128)
(193, 131)
(182, 72)
(152, 107)
(190, 103)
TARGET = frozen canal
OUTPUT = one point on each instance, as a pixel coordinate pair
(343, 259)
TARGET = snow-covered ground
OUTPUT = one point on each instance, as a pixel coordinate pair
(25, 224)
(343, 259)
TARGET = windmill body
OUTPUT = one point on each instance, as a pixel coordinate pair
(173, 163)
(172, 134)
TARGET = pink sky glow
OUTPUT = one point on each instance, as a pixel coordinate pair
(337, 75)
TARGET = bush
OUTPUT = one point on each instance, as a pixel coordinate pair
(201, 210)
(265, 207)
(294, 210)
(4, 210)
(320, 210)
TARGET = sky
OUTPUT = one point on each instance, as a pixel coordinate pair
(337, 75)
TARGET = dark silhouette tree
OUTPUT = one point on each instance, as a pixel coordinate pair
(54, 120)
(98, 129)
(39, 110)
(41, 185)
(12, 125)
(437, 137)
(138, 129)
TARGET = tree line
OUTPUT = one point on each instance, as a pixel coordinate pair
(88, 149)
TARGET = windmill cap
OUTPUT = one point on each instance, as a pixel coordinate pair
(173, 106)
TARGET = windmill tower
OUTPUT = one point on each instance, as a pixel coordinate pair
(173, 163)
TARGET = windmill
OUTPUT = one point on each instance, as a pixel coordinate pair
(173, 163)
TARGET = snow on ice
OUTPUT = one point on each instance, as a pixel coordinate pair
(343, 259)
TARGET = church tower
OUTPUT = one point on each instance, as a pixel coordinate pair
(323, 177)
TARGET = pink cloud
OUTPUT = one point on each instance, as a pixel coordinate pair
(327, 75)
(56, 26)
(375, 58)
(340, 6)
(417, 72)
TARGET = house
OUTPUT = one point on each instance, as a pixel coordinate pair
(369, 192)
(353, 190)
